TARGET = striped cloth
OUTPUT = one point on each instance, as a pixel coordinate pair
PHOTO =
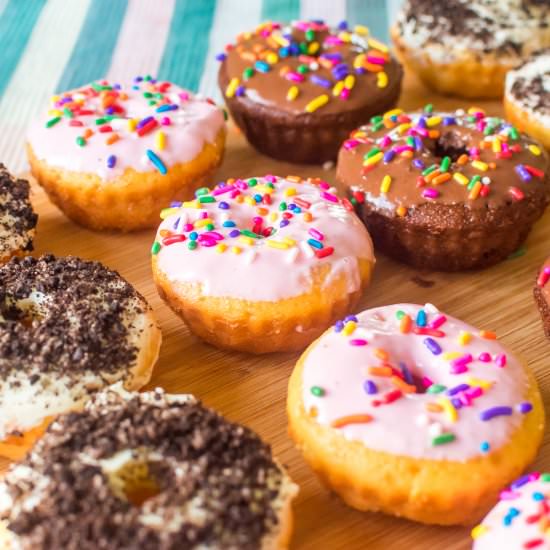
(53, 45)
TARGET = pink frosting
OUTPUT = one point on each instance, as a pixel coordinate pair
(520, 519)
(477, 381)
(189, 123)
(232, 265)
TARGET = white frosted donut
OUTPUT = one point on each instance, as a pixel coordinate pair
(68, 328)
(419, 399)
(149, 471)
(520, 519)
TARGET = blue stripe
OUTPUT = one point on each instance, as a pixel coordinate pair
(16, 24)
(280, 10)
(91, 55)
(371, 13)
(187, 45)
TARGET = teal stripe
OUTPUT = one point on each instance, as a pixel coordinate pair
(371, 13)
(280, 10)
(187, 45)
(91, 55)
(16, 24)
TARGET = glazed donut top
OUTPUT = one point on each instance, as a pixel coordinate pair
(529, 86)
(105, 128)
(67, 327)
(262, 239)
(409, 380)
(17, 218)
(520, 519)
(217, 485)
(402, 161)
(447, 29)
(307, 66)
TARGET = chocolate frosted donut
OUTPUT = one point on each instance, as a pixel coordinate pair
(445, 191)
(17, 218)
(68, 328)
(296, 91)
(527, 97)
(465, 47)
(542, 295)
(151, 471)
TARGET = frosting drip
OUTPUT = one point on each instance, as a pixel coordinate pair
(410, 381)
(262, 239)
(105, 128)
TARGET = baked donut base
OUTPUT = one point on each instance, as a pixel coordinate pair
(262, 327)
(472, 76)
(16, 446)
(524, 121)
(428, 491)
(131, 201)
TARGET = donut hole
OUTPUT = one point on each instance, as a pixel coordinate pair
(418, 382)
(449, 144)
(132, 478)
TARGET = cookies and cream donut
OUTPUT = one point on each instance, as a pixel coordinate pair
(68, 328)
(520, 519)
(110, 156)
(262, 264)
(296, 90)
(406, 410)
(527, 96)
(445, 190)
(17, 218)
(149, 471)
(465, 47)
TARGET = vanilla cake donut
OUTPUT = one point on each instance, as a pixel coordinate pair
(527, 97)
(520, 519)
(405, 410)
(262, 264)
(17, 218)
(112, 156)
(68, 328)
(149, 471)
(465, 47)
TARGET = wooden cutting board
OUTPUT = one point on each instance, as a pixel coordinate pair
(252, 390)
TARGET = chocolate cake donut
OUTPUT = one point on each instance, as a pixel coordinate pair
(445, 191)
(542, 296)
(465, 47)
(297, 90)
(17, 218)
(148, 471)
(68, 328)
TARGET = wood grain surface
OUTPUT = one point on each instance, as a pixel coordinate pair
(252, 390)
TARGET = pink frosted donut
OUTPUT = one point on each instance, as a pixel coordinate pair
(521, 518)
(421, 401)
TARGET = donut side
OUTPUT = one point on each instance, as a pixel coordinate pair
(130, 201)
(17, 217)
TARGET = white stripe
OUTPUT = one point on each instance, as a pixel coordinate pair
(332, 11)
(392, 7)
(37, 74)
(230, 19)
(142, 39)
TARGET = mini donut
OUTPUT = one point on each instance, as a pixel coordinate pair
(541, 292)
(297, 90)
(17, 218)
(527, 97)
(445, 191)
(149, 471)
(68, 328)
(520, 519)
(110, 156)
(465, 47)
(405, 410)
(262, 264)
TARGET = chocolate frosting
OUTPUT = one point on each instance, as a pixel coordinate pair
(481, 162)
(218, 485)
(313, 58)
